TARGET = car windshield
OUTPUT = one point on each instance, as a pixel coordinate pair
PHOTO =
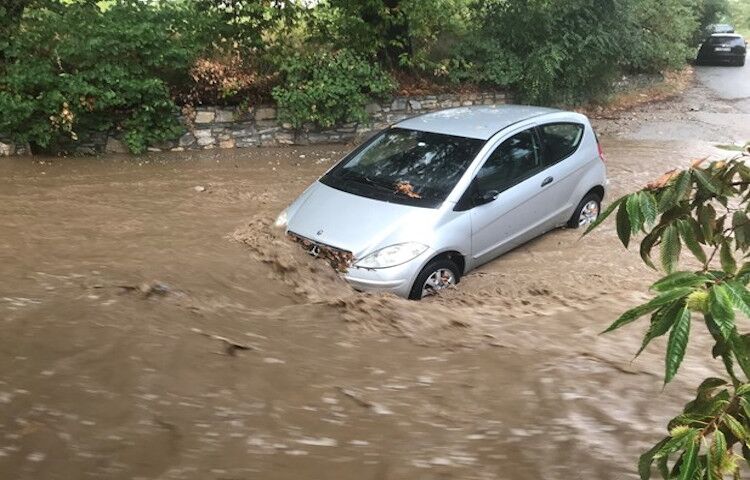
(726, 40)
(410, 167)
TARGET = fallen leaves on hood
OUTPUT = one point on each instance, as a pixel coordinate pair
(406, 188)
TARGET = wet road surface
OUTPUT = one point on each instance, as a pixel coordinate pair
(154, 330)
(716, 109)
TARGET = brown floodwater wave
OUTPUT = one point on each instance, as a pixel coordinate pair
(154, 324)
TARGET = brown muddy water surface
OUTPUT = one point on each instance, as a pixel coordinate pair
(122, 284)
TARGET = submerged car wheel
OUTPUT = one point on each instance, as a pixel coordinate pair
(438, 275)
(586, 212)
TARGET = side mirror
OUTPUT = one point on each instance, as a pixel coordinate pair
(480, 198)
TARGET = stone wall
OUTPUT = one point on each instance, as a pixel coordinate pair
(216, 127)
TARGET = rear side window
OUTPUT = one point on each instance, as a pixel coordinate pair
(560, 140)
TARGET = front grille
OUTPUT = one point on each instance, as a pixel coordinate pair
(339, 259)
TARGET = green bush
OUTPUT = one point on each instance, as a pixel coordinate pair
(76, 70)
(654, 44)
(548, 51)
(400, 33)
(567, 51)
(328, 88)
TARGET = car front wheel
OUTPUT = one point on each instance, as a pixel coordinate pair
(586, 212)
(438, 275)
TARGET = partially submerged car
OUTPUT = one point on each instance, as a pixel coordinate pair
(432, 197)
(723, 48)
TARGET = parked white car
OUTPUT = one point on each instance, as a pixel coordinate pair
(434, 196)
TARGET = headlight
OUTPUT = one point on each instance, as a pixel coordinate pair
(281, 220)
(392, 256)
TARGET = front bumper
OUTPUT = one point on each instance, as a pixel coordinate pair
(397, 280)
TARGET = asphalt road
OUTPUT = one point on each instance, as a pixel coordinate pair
(716, 109)
(728, 83)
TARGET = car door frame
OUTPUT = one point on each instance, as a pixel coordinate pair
(465, 202)
(565, 169)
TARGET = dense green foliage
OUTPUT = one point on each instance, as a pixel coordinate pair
(79, 70)
(703, 212)
(70, 68)
(740, 15)
(328, 88)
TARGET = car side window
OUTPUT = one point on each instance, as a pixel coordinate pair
(514, 160)
(561, 140)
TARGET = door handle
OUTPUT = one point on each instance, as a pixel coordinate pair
(547, 181)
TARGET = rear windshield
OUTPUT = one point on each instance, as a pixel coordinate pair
(404, 166)
(729, 41)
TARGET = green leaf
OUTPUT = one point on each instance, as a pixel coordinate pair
(633, 207)
(677, 440)
(647, 244)
(641, 310)
(662, 322)
(734, 426)
(721, 308)
(745, 406)
(648, 207)
(679, 279)
(623, 225)
(743, 273)
(740, 297)
(687, 232)
(689, 460)
(682, 185)
(710, 384)
(715, 454)
(647, 459)
(670, 248)
(708, 181)
(678, 340)
(741, 226)
(663, 465)
(728, 264)
(603, 216)
(707, 222)
(719, 445)
(740, 347)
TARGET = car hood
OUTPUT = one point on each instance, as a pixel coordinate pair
(358, 224)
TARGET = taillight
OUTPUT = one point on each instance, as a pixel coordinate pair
(599, 147)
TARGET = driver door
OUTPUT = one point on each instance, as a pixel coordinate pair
(511, 195)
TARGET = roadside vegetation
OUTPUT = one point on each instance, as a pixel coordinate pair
(702, 214)
(740, 16)
(72, 68)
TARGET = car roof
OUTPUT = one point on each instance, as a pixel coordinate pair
(733, 35)
(480, 122)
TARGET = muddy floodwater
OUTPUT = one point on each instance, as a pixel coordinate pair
(151, 329)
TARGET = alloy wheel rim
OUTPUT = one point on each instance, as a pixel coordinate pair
(589, 213)
(438, 280)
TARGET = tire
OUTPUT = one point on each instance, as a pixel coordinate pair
(741, 62)
(576, 220)
(433, 267)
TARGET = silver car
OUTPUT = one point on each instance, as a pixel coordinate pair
(432, 197)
